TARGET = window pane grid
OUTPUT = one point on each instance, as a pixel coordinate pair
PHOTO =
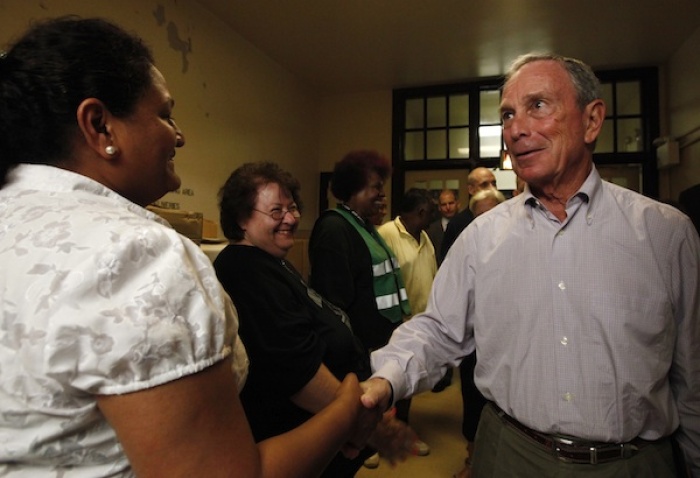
(439, 127)
(623, 129)
(453, 135)
(428, 128)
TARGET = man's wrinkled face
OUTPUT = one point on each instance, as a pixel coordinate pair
(544, 128)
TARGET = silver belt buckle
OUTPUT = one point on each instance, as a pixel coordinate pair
(571, 446)
(560, 440)
(622, 447)
(594, 455)
(563, 444)
(563, 440)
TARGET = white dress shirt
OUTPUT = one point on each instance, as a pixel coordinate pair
(588, 327)
(444, 222)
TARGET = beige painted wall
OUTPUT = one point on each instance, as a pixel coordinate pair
(684, 112)
(354, 121)
(233, 103)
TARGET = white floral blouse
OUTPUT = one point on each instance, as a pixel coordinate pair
(97, 296)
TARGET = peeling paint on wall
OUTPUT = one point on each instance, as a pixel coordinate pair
(174, 40)
(159, 15)
(178, 44)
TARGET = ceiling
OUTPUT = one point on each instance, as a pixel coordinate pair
(364, 45)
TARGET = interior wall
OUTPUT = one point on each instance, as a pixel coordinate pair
(684, 112)
(233, 103)
(349, 122)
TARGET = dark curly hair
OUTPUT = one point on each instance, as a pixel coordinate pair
(50, 70)
(237, 197)
(351, 173)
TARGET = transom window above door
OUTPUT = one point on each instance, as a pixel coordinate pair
(457, 126)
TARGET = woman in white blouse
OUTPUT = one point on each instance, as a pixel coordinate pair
(118, 347)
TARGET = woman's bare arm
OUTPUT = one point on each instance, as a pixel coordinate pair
(318, 392)
(195, 426)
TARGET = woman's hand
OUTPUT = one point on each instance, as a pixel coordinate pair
(365, 423)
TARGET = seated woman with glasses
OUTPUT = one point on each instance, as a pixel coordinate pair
(299, 344)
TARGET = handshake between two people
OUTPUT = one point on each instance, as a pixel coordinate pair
(376, 425)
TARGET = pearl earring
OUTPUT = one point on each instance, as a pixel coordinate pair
(110, 150)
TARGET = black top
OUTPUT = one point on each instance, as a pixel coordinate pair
(341, 271)
(690, 201)
(288, 331)
(454, 228)
(436, 233)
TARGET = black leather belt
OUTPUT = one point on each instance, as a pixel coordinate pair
(570, 450)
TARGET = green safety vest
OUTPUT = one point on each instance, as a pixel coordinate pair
(389, 290)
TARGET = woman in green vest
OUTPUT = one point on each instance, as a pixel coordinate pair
(351, 265)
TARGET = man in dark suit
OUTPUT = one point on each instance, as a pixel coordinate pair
(478, 179)
(448, 205)
(690, 201)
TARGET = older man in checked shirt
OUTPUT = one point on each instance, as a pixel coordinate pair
(581, 299)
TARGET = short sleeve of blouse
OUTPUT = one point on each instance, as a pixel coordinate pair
(140, 310)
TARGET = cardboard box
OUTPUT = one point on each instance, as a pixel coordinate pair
(187, 223)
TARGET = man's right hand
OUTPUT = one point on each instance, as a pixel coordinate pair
(377, 393)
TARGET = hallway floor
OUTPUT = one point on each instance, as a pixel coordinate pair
(437, 419)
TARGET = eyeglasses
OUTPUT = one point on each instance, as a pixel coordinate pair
(278, 213)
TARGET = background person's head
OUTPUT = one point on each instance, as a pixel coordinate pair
(485, 200)
(417, 209)
(552, 114)
(448, 204)
(479, 179)
(260, 205)
(84, 95)
(358, 181)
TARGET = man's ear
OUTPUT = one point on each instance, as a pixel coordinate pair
(94, 122)
(594, 115)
